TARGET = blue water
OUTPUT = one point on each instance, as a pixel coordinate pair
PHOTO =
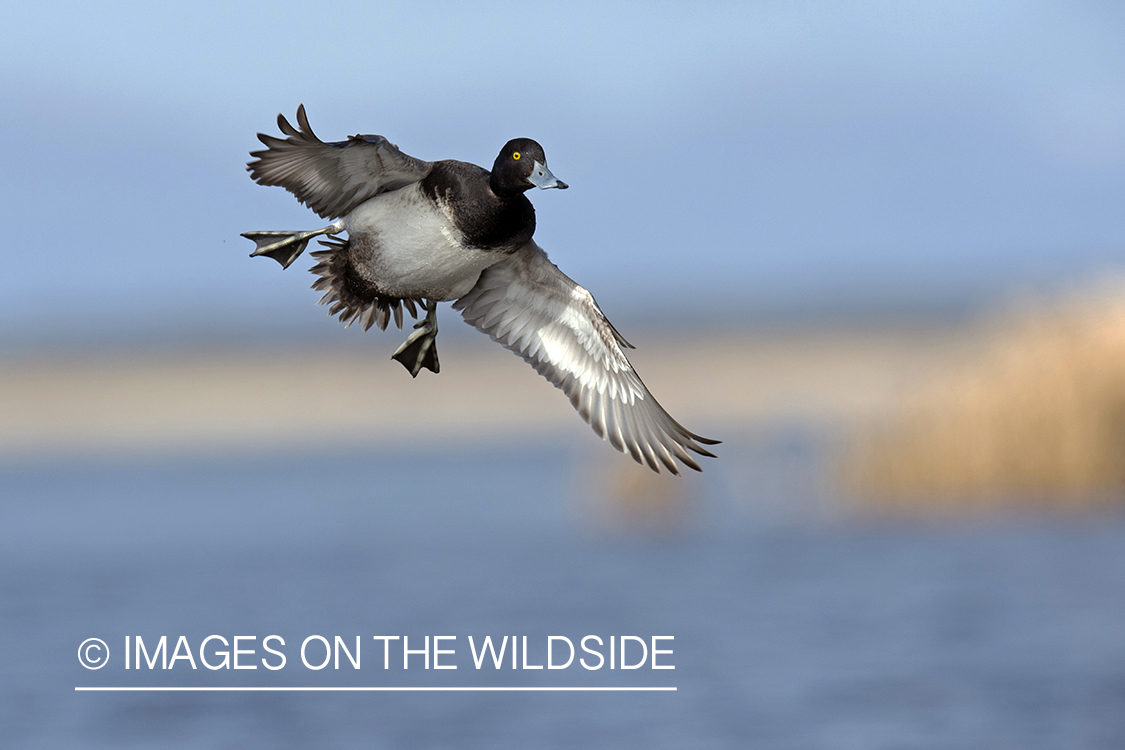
(812, 629)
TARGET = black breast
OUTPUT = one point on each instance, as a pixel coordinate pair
(488, 221)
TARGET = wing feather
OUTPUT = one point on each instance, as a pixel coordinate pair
(529, 306)
(332, 178)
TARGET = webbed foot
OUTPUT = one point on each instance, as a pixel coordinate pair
(420, 348)
(286, 246)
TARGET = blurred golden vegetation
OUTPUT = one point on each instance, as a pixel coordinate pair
(614, 494)
(1035, 417)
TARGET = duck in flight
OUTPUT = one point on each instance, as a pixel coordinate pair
(421, 232)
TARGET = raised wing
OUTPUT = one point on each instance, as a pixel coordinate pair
(332, 178)
(531, 307)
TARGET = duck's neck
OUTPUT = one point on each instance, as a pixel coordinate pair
(506, 224)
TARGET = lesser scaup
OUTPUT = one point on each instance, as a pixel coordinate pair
(421, 232)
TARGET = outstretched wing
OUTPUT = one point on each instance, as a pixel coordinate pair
(332, 178)
(531, 307)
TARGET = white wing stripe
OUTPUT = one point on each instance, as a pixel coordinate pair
(526, 304)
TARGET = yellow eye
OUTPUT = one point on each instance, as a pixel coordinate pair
(516, 156)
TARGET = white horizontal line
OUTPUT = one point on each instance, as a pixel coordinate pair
(364, 689)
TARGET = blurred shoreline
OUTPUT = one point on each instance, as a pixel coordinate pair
(1023, 408)
(202, 398)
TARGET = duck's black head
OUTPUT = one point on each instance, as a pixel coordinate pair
(521, 166)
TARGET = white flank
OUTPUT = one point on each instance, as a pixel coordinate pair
(422, 257)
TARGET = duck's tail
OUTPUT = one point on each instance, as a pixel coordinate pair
(349, 295)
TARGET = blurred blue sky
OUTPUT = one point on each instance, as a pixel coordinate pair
(757, 154)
